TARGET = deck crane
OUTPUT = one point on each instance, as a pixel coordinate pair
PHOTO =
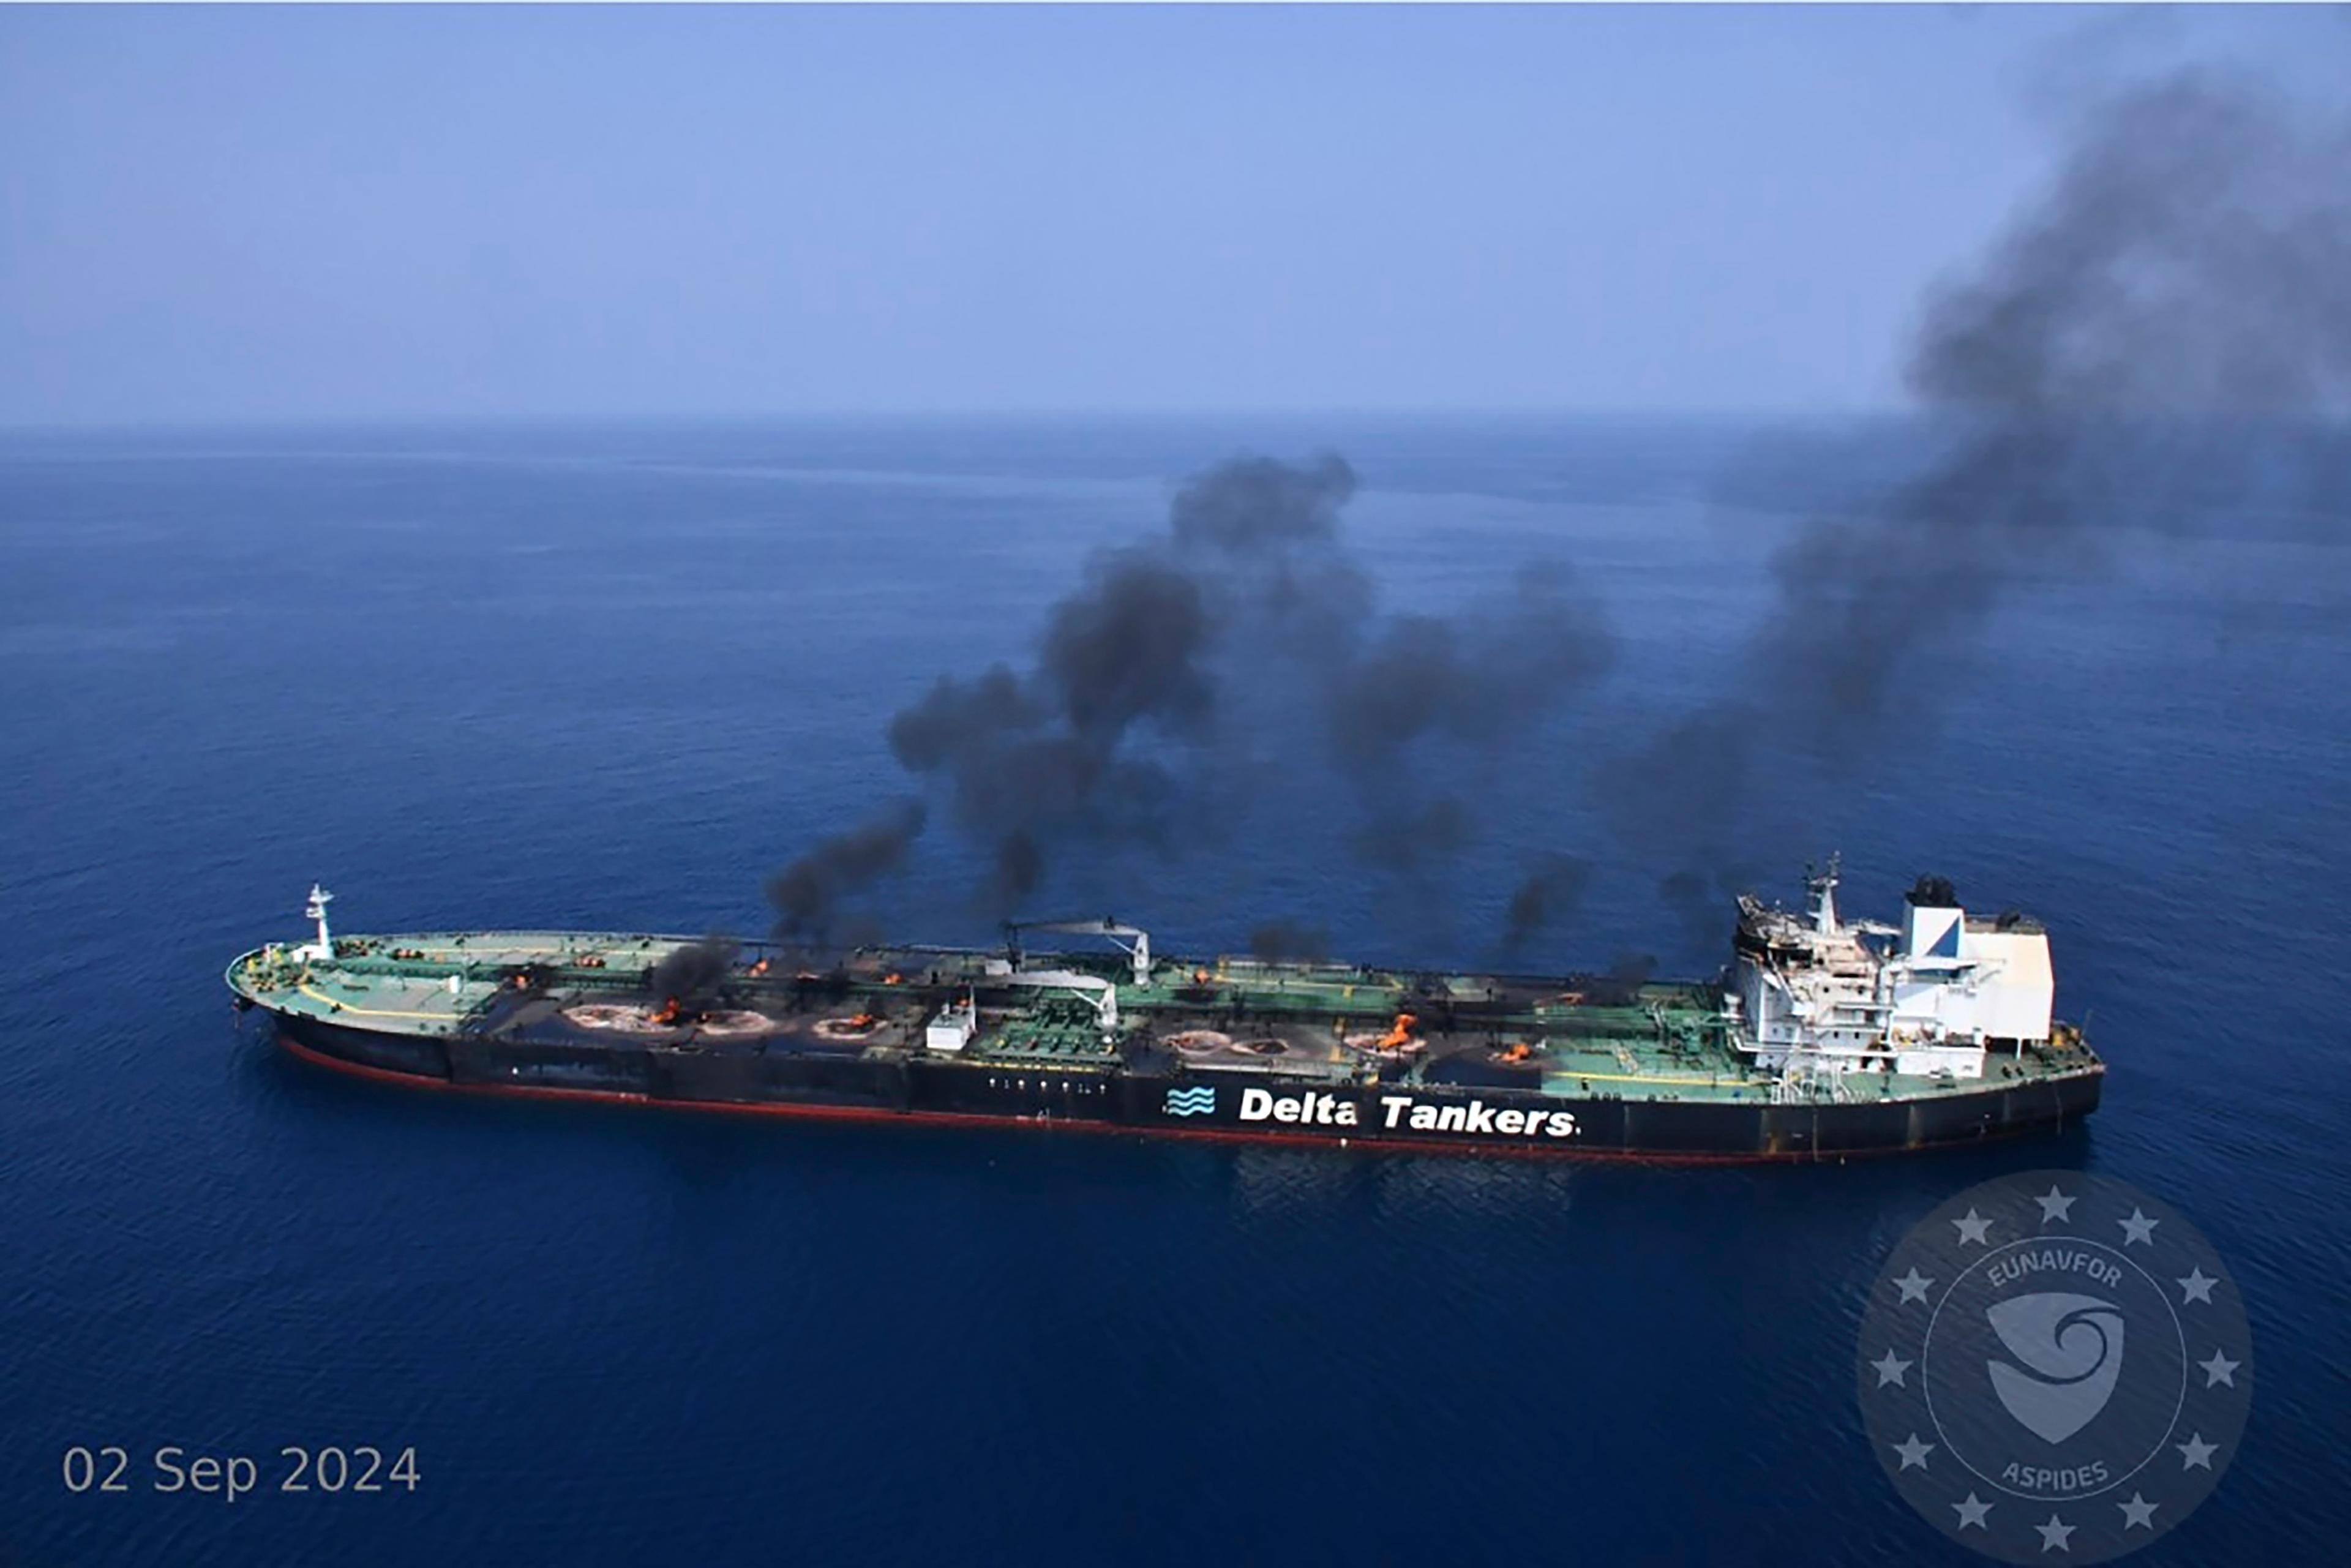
(1130, 940)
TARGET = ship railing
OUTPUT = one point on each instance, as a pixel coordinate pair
(1807, 1081)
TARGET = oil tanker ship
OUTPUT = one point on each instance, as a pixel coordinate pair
(1822, 1037)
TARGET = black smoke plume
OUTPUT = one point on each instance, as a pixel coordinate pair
(1469, 681)
(1243, 631)
(692, 976)
(2163, 343)
(1621, 985)
(1288, 942)
(1411, 838)
(1552, 888)
(808, 893)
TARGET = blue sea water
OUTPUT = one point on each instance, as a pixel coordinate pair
(611, 677)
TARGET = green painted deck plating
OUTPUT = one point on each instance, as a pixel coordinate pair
(1308, 1023)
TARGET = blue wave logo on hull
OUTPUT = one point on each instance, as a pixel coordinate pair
(1199, 1101)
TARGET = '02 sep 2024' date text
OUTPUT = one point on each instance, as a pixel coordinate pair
(332, 1468)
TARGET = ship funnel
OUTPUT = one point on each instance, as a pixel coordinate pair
(1932, 922)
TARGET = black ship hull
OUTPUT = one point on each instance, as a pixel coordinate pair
(1256, 1106)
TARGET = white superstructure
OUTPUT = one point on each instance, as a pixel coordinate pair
(1812, 994)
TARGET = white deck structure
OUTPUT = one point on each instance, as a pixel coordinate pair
(1812, 995)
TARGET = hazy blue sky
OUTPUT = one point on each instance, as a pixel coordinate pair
(209, 213)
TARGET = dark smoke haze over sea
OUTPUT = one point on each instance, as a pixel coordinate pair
(2161, 344)
(1243, 634)
(807, 894)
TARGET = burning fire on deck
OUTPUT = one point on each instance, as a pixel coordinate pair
(621, 1018)
(1397, 1041)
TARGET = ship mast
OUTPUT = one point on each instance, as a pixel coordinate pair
(317, 910)
(1823, 887)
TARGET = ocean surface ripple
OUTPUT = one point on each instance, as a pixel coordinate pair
(611, 677)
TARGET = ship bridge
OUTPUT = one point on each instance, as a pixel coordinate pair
(1815, 994)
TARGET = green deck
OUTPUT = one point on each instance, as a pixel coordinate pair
(1670, 1045)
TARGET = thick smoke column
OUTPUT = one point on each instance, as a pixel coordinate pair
(2163, 343)
(1470, 680)
(807, 894)
(691, 977)
(2174, 317)
(1117, 731)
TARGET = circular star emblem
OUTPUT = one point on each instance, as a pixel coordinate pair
(2055, 1367)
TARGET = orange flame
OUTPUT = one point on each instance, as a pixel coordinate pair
(894, 979)
(759, 968)
(668, 1012)
(1199, 976)
(864, 1020)
(1517, 1052)
(1400, 1036)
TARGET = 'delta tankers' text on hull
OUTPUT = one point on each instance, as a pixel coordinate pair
(1824, 1036)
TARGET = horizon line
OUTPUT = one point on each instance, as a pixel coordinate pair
(525, 420)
